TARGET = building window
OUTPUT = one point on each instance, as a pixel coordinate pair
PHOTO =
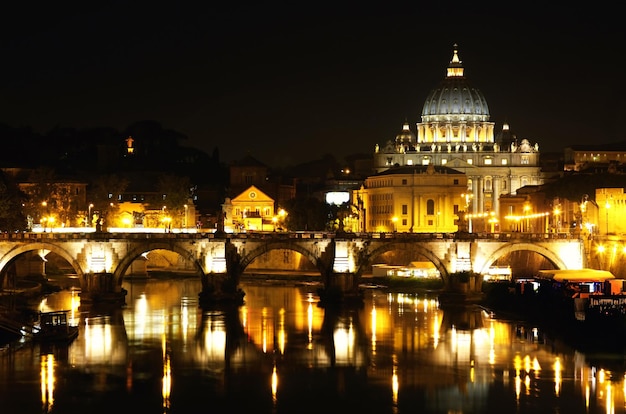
(505, 161)
(409, 162)
(469, 184)
(524, 160)
(456, 209)
(444, 161)
(430, 207)
(470, 161)
(405, 209)
(404, 222)
(404, 181)
(456, 181)
(488, 184)
(430, 222)
(488, 161)
(425, 161)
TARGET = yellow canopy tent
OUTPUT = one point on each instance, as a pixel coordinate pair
(578, 275)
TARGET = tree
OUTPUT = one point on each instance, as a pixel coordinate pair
(11, 199)
(307, 213)
(176, 191)
(105, 193)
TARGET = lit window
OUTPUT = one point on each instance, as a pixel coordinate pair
(444, 161)
(425, 161)
(409, 162)
(470, 161)
(488, 161)
(525, 160)
(505, 161)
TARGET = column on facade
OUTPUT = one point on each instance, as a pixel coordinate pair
(475, 199)
(495, 205)
(462, 131)
(435, 132)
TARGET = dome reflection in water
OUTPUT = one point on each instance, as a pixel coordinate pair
(283, 353)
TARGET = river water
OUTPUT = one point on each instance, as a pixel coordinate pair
(282, 353)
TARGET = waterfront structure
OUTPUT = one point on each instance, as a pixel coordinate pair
(456, 132)
(416, 199)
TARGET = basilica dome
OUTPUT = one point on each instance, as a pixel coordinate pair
(455, 99)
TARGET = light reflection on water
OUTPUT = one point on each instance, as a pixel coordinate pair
(282, 353)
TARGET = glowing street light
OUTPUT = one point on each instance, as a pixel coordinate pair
(395, 223)
(557, 219)
(186, 208)
(89, 218)
(608, 206)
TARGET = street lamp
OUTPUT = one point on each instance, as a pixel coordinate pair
(395, 223)
(89, 218)
(186, 207)
(608, 206)
(557, 219)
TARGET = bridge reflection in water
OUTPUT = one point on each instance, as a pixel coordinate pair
(282, 353)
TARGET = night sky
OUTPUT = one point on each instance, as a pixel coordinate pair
(290, 82)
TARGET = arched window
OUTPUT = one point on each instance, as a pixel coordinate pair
(430, 207)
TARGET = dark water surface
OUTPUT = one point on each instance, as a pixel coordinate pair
(282, 353)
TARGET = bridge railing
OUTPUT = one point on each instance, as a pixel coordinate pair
(505, 236)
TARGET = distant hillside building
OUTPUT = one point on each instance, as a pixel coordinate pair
(582, 157)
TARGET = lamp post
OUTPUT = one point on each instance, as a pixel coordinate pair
(89, 218)
(608, 206)
(186, 208)
(395, 223)
(557, 220)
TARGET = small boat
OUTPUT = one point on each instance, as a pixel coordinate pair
(54, 327)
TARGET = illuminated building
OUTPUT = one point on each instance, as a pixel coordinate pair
(456, 132)
(418, 199)
(250, 210)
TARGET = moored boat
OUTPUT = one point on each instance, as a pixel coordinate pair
(586, 307)
(54, 327)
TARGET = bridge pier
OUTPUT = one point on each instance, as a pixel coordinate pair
(220, 289)
(341, 289)
(102, 289)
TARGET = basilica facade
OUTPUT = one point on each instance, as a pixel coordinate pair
(455, 132)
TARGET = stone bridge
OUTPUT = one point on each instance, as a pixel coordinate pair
(102, 260)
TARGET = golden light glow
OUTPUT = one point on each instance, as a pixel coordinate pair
(47, 381)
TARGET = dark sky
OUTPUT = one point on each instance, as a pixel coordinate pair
(289, 82)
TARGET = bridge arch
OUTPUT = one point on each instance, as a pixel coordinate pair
(483, 267)
(137, 250)
(18, 250)
(309, 254)
(416, 248)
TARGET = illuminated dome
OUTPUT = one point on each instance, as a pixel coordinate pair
(455, 111)
(455, 97)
